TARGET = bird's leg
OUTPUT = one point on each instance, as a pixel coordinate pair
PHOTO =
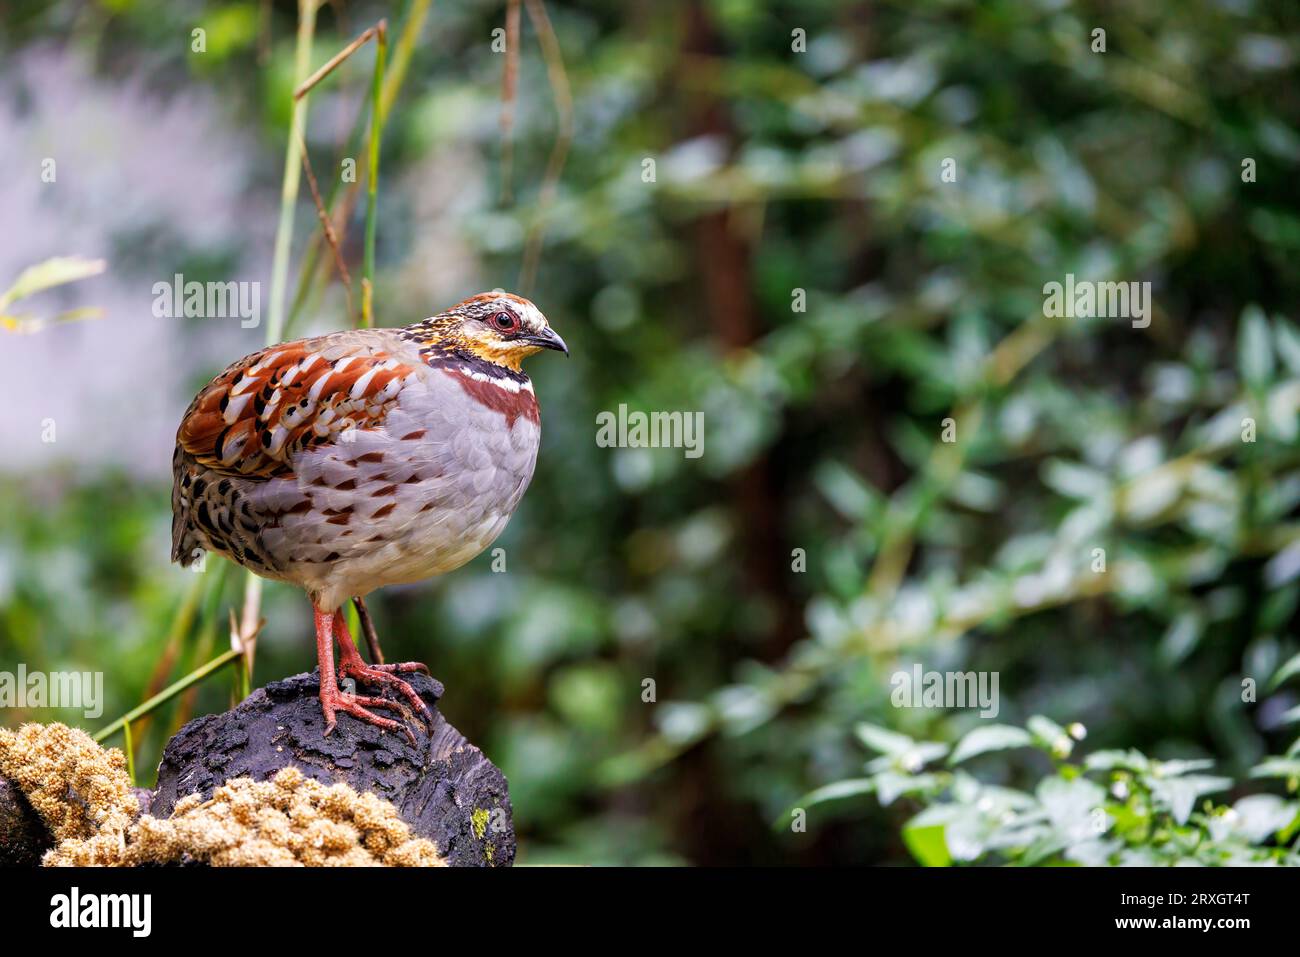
(351, 665)
(332, 700)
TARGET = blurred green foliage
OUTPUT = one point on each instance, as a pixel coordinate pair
(1148, 815)
(799, 271)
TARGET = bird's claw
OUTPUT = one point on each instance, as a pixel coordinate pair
(384, 675)
(357, 705)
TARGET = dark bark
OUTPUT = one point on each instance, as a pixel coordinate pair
(443, 787)
(23, 836)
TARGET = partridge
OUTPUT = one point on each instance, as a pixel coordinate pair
(346, 462)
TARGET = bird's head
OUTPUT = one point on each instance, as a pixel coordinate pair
(496, 327)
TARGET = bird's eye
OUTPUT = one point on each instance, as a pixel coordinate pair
(503, 320)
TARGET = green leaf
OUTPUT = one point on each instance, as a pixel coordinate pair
(1180, 794)
(1109, 760)
(847, 492)
(1260, 816)
(52, 272)
(924, 836)
(1287, 339)
(1179, 767)
(882, 739)
(683, 722)
(1045, 729)
(1073, 480)
(1277, 768)
(742, 708)
(1050, 736)
(1072, 807)
(910, 761)
(994, 737)
(1181, 637)
(26, 324)
(1254, 347)
(1149, 495)
(1289, 669)
(890, 785)
(838, 790)
(1095, 852)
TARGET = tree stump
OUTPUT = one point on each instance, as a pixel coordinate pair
(443, 787)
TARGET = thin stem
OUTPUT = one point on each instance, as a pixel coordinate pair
(129, 748)
(311, 257)
(283, 243)
(204, 593)
(206, 637)
(327, 227)
(193, 678)
(372, 183)
(559, 80)
(509, 83)
(395, 75)
(179, 630)
(306, 86)
(292, 172)
(402, 53)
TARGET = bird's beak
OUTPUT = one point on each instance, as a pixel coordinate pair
(548, 338)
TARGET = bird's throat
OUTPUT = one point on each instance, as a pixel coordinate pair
(507, 395)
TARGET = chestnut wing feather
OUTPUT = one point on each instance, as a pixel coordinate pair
(257, 415)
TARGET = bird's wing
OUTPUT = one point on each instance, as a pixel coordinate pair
(257, 415)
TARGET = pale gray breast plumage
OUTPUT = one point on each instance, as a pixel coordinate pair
(419, 496)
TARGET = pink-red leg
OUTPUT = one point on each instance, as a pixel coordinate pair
(351, 665)
(332, 700)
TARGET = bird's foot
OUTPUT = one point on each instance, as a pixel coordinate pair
(386, 676)
(332, 700)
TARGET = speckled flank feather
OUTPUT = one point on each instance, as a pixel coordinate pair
(352, 461)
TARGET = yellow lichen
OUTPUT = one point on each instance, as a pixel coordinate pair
(83, 794)
(478, 820)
